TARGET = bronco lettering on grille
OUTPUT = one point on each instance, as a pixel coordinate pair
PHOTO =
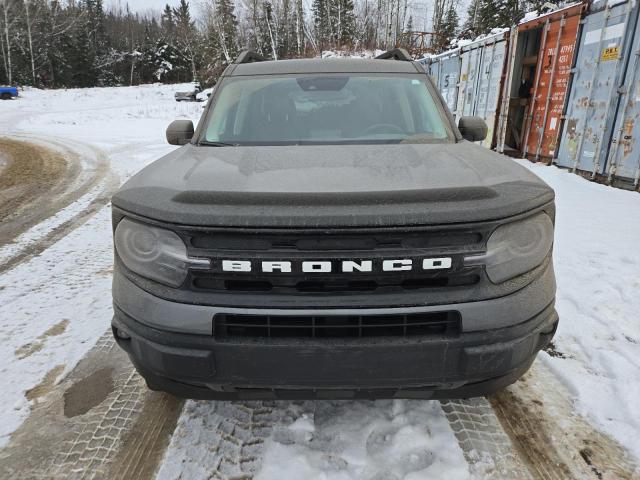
(344, 266)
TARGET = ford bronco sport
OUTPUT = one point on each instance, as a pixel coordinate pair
(327, 231)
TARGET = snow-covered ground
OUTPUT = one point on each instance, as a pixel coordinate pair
(55, 305)
(69, 284)
(597, 262)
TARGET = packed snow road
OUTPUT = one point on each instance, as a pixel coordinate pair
(30, 174)
(74, 408)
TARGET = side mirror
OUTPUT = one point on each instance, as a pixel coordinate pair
(473, 129)
(180, 132)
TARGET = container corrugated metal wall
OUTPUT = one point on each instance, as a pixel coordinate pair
(600, 133)
(444, 69)
(604, 48)
(623, 160)
(481, 74)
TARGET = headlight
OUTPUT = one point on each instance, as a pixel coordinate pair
(516, 248)
(154, 253)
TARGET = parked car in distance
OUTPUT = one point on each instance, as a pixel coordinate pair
(328, 231)
(7, 93)
(189, 95)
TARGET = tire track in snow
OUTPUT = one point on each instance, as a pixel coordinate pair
(486, 447)
(71, 433)
(90, 192)
(552, 438)
(530, 430)
(33, 184)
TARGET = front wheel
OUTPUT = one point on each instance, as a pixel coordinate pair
(5, 96)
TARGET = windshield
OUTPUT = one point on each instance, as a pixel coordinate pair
(325, 109)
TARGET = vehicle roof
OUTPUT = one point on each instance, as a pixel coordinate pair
(326, 65)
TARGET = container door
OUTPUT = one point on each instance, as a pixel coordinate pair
(624, 149)
(554, 69)
(462, 85)
(489, 83)
(434, 69)
(505, 93)
(592, 102)
(471, 97)
(426, 64)
(450, 75)
(468, 80)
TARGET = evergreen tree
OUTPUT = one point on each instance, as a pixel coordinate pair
(81, 59)
(98, 44)
(449, 29)
(321, 23)
(504, 13)
(473, 25)
(409, 27)
(347, 23)
(220, 39)
(334, 23)
(96, 26)
(484, 15)
(227, 30)
(186, 37)
(167, 21)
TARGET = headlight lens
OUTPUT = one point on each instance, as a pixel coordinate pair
(516, 248)
(154, 253)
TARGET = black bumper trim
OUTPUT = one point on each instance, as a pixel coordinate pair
(195, 366)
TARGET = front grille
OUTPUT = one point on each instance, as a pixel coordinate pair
(284, 284)
(286, 241)
(445, 324)
(335, 246)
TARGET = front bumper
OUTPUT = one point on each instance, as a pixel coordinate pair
(476, 362)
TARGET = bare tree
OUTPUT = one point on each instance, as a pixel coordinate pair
(28, 21)
(7, 26)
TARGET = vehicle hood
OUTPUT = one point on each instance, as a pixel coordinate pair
(335, 185)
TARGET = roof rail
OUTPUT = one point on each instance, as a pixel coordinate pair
(395, 54)
(247, 56)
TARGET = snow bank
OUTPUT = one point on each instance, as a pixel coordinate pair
(597, 262)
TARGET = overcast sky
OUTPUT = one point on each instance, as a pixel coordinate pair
(143, 5)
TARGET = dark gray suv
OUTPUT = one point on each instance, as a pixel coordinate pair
(329, 232)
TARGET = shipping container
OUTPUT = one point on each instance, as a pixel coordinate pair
(425, 62)
(482, 69)
(540, 60)
(600, 131)
(444, 70)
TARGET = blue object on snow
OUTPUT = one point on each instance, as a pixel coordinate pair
(6, 93)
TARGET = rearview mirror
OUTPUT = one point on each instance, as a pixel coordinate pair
(473, 129)
(180, 132)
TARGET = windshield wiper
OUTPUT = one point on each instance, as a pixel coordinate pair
(217, 144)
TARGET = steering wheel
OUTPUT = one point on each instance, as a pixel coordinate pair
(382, 126)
